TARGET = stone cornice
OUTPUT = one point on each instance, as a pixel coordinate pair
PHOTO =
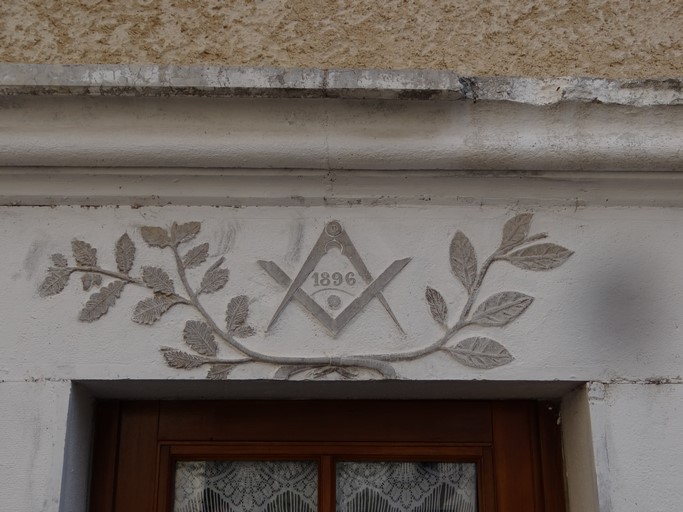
(336, 134)
(213, 81)
(150, 135)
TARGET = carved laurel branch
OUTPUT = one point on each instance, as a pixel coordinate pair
(499, 309)
(200, 335)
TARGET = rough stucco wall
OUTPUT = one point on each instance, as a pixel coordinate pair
(607, 38)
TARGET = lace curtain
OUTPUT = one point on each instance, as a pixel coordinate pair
(406, 487)
(246, 486)
(292, 486)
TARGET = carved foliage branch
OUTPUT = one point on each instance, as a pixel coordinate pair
(202, 335)
(501, 308)
(198, 335)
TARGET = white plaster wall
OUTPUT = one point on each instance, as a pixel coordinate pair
(579, 459)
(637, 432)
(33, 421)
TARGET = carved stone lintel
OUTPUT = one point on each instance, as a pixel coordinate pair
(201, 336)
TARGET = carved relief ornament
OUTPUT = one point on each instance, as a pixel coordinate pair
(203, 334)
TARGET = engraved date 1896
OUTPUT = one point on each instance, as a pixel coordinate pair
(335, 278)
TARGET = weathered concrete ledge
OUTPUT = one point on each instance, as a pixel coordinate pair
(154, 80)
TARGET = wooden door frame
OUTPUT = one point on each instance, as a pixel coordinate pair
(136, 442)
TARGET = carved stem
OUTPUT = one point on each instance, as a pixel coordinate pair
(123, 277)
(462, 321)
(416, 354)
(356, 361)
(218, 360)
(110, 273)
(376, 362)
(498, 255)
(477, 285)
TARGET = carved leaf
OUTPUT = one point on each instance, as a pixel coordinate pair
(181, 360)
(54, 282)
(501, 309)
(463, 260)
(244, 331)
(344, 372)
(319, 373)
(287, 371)
(125, 253)
(158, 280)
(215, 278)
(437, 305)
(540, 257)
(59, 260)
(196, 256)
(150, 310)
(516, 230)
(219, 371)
(84, 253)
(347, 373)
(181, 233)
(200, 338)
(155, 237)
(480, 352)
(89, 280)
(99, 303)
(237, 312)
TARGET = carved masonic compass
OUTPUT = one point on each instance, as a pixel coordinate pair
(333, 237)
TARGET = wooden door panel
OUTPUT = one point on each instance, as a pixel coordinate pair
(106, 443)
(515, 444)
(137, 457)
(513, 453)
(320, 420)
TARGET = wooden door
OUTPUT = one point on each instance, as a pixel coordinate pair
(514, 445)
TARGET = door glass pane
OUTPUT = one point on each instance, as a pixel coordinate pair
(246, 486)
(406, 487)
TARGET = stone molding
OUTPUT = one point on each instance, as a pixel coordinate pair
(237, 188)
(336, 134)
(138, 135)
(214, 81)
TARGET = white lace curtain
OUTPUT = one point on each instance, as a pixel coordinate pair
(246, 486)
(406, 486)
(292, 486)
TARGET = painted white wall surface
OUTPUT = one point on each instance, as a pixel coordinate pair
(637, 440)
(33, 422)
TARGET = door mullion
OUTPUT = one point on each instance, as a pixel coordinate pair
(326, 484)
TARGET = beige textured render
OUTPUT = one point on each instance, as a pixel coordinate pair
(605, 38)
